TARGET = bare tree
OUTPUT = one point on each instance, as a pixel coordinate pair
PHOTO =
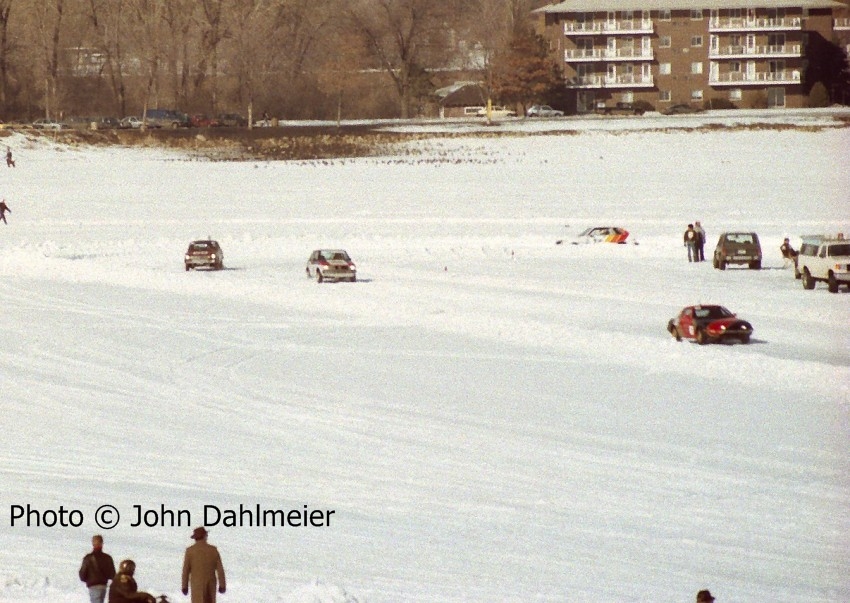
(147, 27)
(179, 16)
(212, 32)
(400, 35)
(48, 22)
(108, 21)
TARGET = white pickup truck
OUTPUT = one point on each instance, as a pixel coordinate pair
(824, 259)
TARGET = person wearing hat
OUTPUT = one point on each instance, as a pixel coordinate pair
(704, 596)
(202, 569)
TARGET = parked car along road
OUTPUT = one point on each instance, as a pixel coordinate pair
(204, 254)
(130, 123)
(232, 119)
(737, 248)
(496, 112)
(47, 124)
(543, 111)
(618, 109)
(331, 265)
(706, 324)
(826, 260)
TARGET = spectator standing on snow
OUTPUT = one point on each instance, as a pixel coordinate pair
(3, 209)
(788, 252)
(704, 596)
(691, 243)
(9, 161)
(700, 241)
(97, 569)
(202, 569)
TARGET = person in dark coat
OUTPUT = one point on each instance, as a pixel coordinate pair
(202, 569)
(700, 241)
(97, 570)
(704, 596)
(124, 588)
(690, 238)
(3, 209)
(788, 252)
(9, 161)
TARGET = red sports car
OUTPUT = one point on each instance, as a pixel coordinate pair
(707, 324)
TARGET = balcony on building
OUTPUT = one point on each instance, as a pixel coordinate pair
(618, 26)
(754, 52)
(732, 24)
(758, 78)
(841, 24)
(626, 80)
(585, 55)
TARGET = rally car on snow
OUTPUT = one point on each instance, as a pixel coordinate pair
(601, 234)
(331, 265)
(204, 254)
(707, 324)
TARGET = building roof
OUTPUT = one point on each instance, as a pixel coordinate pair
(462, 94)
(590, 6)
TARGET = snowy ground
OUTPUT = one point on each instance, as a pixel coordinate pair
(491, 416)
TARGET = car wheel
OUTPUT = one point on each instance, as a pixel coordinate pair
(832, 283)
(808, 281)
(319, 277)
(745, 339)
(307, 270)
(702, 338)
(187, 267)
(722, 264)
(671, 328)
(354, 279)
(755, 265)
(714, 262)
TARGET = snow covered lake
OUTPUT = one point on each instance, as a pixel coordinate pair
(490, 416)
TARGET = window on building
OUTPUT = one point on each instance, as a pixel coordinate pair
(696, 40)
(775, 97)
(696, 14)
(735, 94)
(696, 67)
(664, 42)
(664, 96)
(696, 95)
(664, 69)
(664, 14)
(735, 66)
(734, 13)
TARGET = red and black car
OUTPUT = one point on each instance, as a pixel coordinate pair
(707, 324)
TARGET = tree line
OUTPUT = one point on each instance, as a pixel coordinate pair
(298, 59)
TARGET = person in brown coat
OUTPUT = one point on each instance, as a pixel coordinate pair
(201, 567)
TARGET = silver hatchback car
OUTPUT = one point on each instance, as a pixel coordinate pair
(331, 265)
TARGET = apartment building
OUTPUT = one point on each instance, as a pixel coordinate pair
(752, 53)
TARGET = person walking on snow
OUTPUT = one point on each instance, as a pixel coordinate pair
(3, 209)
(97, 569)
(700, 241)
(201, 567)
(9, 161)
(691, 243)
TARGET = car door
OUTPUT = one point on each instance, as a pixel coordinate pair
(686, 323)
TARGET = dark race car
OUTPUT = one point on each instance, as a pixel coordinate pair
(707, 324)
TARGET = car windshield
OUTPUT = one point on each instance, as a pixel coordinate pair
(839, 250)
(201, 246)
(712, 312)
(740, 237)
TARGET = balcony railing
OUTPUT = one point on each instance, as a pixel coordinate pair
(741, 78)
(745, 24)
(605, 81)
(737, 52)
(606, 54)
(841, 24)
(631, 26)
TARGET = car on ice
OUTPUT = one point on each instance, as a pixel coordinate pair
(331, 265)
(709, 323)
(825, 259)
(204, 254)
(602, 234)
(543, 111)
(737, 248)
